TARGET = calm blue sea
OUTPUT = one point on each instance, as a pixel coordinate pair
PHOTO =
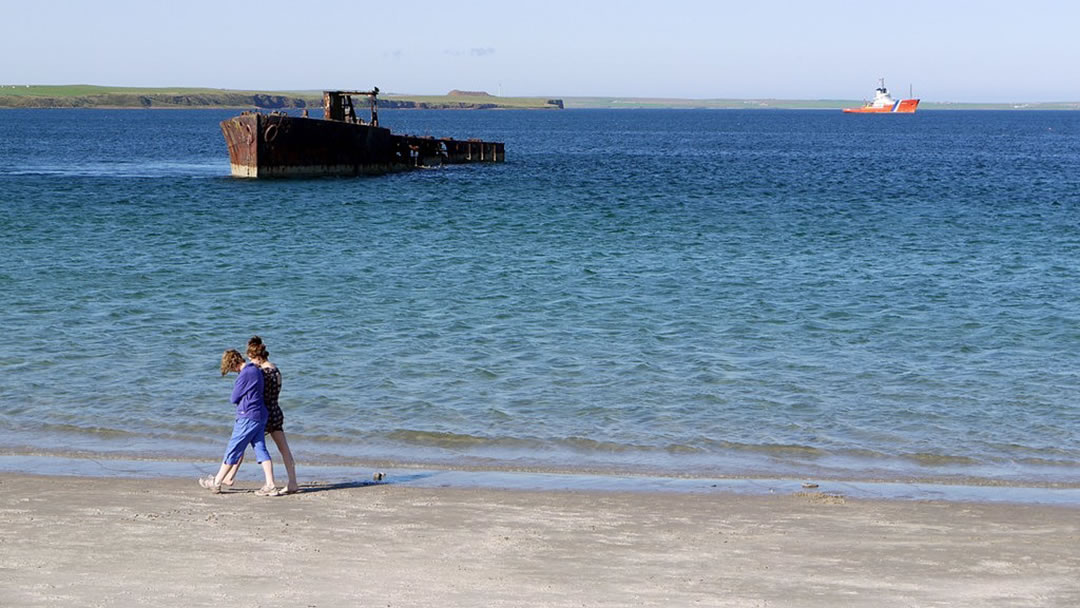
(713, 293)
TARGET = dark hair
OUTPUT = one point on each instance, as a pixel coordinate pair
(256, 349)
(229, 359)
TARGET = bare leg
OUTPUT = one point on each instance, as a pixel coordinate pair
(287, 458)
(222, 472)
(214, 483)
(268, 473)
(230, 477)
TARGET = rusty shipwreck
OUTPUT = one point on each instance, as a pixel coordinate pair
(340, 143)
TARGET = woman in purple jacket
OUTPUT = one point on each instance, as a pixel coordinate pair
(250, 424)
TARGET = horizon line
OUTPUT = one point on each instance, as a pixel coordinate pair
(587, 96)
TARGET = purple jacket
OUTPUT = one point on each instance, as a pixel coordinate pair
(247, 393)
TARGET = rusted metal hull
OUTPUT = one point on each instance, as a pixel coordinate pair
(278, 145)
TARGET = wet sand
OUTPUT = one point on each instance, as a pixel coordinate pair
(166, 542)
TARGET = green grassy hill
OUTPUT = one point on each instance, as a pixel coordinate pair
(91, 96)
(471, 101)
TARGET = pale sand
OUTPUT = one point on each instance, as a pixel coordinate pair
(122, 542)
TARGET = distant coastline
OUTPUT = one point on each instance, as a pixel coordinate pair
(92, 96)
(632, 103)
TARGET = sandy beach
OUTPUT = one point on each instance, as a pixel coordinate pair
(77, 541)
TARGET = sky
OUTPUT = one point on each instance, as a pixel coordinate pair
(958, 51)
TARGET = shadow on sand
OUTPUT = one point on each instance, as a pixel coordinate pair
(347, 485)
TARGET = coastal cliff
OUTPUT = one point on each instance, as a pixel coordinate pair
(130, 100)
(89, 96)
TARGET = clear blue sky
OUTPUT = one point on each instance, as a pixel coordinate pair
(814, 49)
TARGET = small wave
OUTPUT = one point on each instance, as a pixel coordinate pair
(462, 441)
(1048, 462)
(99, 431)
(791, 449)
(936, 460)
(588, 445)
(443, 439)
(593, 445)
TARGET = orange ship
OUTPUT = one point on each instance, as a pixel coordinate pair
(883, 103)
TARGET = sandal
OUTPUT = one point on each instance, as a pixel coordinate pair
(268, 491)
(208, 483)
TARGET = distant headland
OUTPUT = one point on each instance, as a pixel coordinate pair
(92, 96)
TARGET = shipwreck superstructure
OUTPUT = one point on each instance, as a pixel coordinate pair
(340, 143)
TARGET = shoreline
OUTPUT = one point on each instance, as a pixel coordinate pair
(419, 475)
(166, 542)
(165, 457)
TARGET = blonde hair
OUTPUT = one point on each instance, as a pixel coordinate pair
(229, 359)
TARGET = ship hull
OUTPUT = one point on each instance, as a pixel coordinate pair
(904, 106)
(278, 145)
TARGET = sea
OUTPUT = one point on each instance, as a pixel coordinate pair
(634, 295)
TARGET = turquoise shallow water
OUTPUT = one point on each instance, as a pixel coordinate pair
(715, 293)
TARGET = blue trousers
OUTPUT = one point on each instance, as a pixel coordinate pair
(247, 432)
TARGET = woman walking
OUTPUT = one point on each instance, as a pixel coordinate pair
(275, 423)
(250, 425)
